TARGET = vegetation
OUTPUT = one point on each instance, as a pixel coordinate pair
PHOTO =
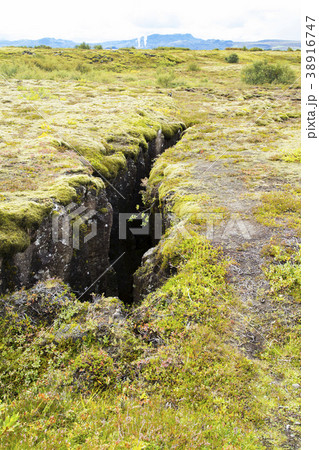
(262, 72)
(139, 65)
(166, 79)
(280, 208)
(42, 46)
(83, 46)
(232, 58)
(191, 361)
(207, 358)
(193, 67)
(33, 177)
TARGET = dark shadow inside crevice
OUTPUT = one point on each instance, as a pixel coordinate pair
(132, 237)
(129, 250)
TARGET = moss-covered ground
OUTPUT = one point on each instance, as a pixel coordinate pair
(54, 135)
(211, 358)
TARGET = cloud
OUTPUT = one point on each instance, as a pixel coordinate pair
(156, 20)
(124, 19)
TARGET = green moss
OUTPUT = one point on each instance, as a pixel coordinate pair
(19, 217)
(110, 166)
(157, 172)
(189, 206)
(288, 155)
(280, 209)
(17, 220)
(171, 129)
(37, 172)
(283, 270)
(13, 239)
(284, 278)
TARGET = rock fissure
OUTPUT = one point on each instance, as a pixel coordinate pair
(79, 242)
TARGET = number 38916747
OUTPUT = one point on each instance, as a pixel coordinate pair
(310, 48)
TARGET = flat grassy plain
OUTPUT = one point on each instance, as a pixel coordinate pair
(211, 358)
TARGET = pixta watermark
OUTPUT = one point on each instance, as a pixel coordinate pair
(67, 223)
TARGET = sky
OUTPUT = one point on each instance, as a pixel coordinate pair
(97, 21)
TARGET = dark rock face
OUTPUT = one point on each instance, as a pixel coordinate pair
(58, 248)
(79, 242)
(148, 277)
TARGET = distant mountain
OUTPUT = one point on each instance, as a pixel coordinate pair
(161, 40)
(270, 44)
(51, 42)
(183, 40)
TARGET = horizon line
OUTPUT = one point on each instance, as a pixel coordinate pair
(145, 35)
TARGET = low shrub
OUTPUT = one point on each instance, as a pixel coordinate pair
(232, 58)
(83, 46)
(43, 46)
(193, 67)
(93, 370)
(9, 70)
(262, 72)
(166, 79)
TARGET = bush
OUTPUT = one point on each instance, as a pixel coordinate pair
(83, 68)
(232, 58)
(83, 46)
(172, 48)
(98, 47)
(9, 70)
(262, 72)
(255, 49)
(93, 370)
(193, 67)
(166, 79)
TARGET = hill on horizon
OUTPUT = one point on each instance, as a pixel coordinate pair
(186, 40)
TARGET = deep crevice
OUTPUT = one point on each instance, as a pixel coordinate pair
(88, 268)
(134, 246)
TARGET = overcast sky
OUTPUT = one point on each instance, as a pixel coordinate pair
(96, 21)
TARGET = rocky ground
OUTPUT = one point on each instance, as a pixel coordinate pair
(243, 171)
(208, 355)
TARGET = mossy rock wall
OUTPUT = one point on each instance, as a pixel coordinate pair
(55, 251)
(52, 253)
